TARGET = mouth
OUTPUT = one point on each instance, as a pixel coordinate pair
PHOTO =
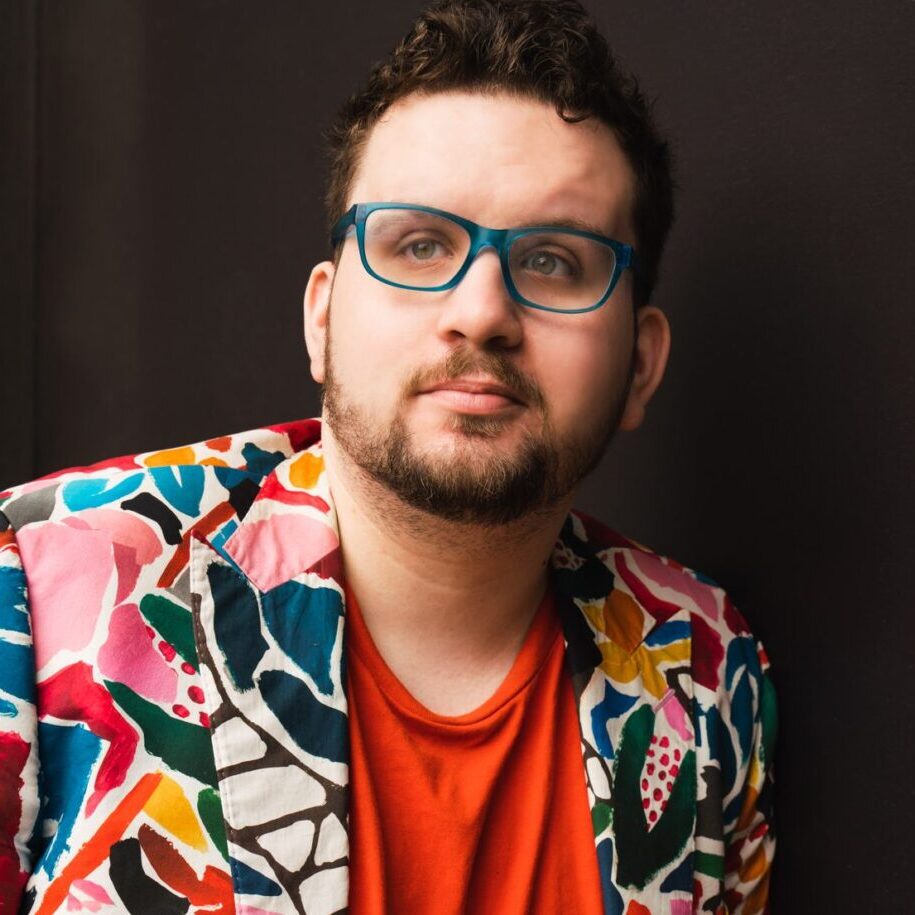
(472, 395)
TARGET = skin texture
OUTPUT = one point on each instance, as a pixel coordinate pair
(386, 356)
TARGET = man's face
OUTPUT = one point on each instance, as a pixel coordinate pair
(465, 403)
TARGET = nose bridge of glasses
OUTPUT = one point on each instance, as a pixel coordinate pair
(482, 237)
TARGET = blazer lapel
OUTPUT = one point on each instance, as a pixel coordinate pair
(269, 624)
(268, 615)
(628, 652)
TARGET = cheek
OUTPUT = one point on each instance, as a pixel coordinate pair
(585, 370)
(371, 339)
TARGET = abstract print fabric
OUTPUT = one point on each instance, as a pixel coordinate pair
(173, 714)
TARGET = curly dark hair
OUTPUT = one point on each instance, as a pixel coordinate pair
(548, 50)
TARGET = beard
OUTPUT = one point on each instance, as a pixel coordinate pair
(473, 481)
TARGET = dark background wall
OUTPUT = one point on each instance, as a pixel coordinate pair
(161, 210)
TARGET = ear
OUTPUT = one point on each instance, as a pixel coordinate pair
(651, 351)
(316, 313)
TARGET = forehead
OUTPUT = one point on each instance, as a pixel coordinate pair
(499, 160)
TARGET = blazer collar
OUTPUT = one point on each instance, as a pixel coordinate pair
(291, 528)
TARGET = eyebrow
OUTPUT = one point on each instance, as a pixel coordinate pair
(569, 222)
(556, 222)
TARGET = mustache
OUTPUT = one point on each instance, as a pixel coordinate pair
(463, 362)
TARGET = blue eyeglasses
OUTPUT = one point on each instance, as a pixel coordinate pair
(548, 267)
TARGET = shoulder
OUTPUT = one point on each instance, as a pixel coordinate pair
(175, 477)
(651, 614)
(667, 590)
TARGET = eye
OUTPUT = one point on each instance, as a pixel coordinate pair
(424, 249)
(546, 263)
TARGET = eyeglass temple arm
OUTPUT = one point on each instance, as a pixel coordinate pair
(342, 225)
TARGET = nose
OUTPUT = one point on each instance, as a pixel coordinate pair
(480, 308)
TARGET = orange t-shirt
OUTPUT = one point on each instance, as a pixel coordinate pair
(475, 813)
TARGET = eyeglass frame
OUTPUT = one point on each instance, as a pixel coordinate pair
(481, 237)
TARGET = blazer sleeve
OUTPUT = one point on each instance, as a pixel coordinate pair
(18, 726)
(749, 824)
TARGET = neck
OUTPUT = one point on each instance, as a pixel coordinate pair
(437, 595)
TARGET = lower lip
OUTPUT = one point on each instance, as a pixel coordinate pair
(468, 402)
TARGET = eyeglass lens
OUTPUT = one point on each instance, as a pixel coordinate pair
(554, 269)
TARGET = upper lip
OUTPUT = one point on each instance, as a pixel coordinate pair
(473, 386)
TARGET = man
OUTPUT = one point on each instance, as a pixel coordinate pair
(377, 664)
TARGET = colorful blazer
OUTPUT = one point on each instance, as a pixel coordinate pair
(173, 717)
